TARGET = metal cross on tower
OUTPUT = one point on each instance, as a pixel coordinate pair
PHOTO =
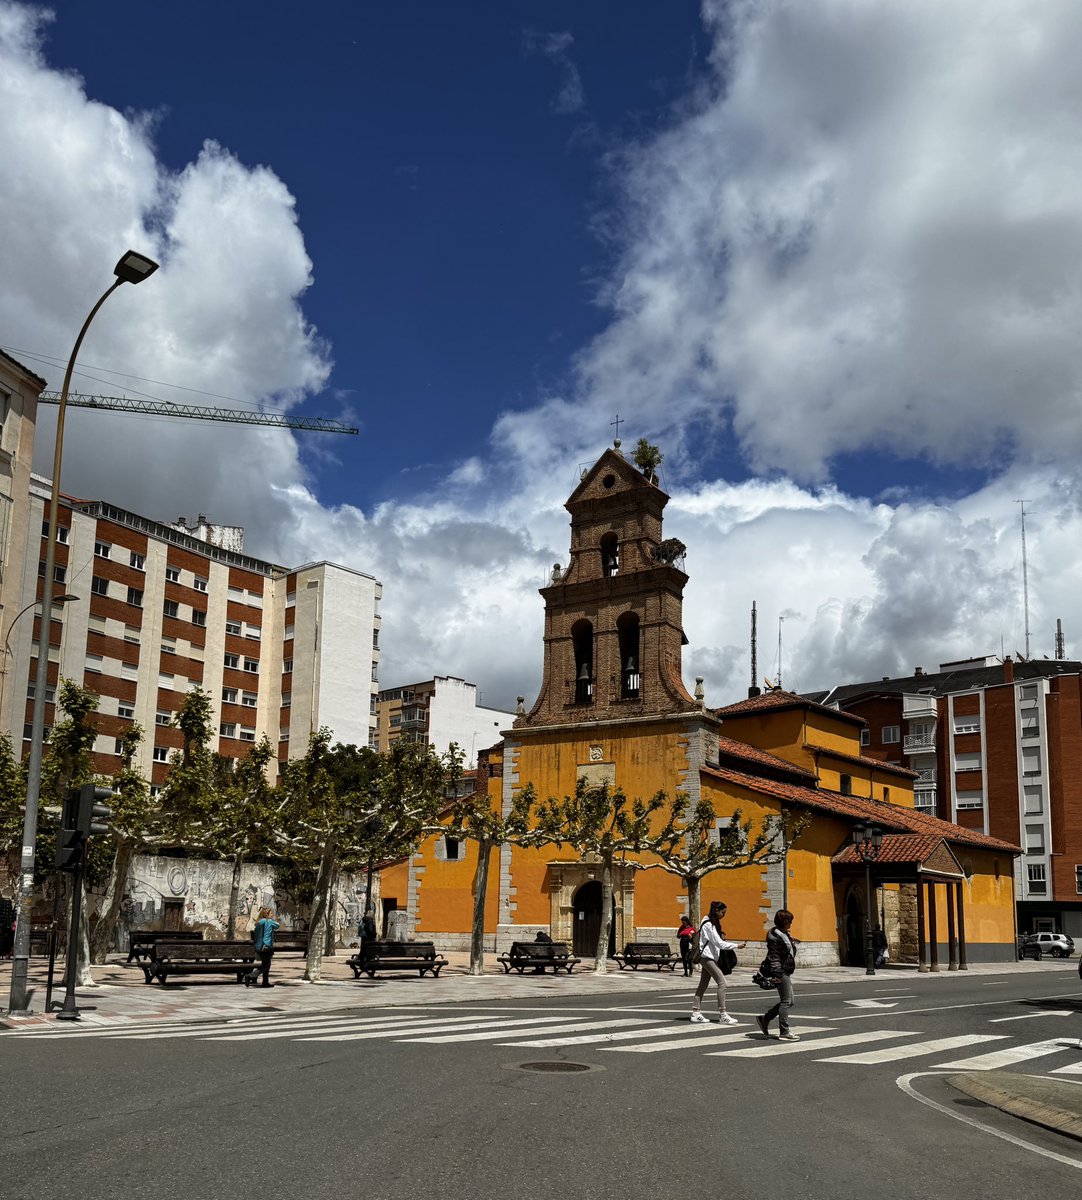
(617, 423)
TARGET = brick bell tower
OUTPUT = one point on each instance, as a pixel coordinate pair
(613, 632)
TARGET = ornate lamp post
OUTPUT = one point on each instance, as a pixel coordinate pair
(132, 268)
(867, 839)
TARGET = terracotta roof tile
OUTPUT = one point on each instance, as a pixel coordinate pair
(731, 748)
(896, 848)
(863, 761)
(774, 701)
(857, 808)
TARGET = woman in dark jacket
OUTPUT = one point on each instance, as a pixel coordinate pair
(780, 965)
(685, 933)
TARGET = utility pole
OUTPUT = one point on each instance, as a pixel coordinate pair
(1025, 576)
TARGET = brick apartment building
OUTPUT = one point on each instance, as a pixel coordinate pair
(437, 712)
(162, 608)
(997, 747)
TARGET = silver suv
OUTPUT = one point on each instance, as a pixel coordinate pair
(1034, 945)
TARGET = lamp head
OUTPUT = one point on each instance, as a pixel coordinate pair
(134, 267)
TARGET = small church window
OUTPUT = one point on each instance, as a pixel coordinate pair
(627, 627)
(582, 637)
(610, 555)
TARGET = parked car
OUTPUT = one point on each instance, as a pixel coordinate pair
(1034, 945)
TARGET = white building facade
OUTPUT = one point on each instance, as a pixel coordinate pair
(440, 711)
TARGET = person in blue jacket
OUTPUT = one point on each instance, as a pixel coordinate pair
(263, 937)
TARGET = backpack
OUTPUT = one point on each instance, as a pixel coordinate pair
(697, 945)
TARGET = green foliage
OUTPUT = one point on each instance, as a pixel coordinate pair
(647, 457)
(12, 807)
(188, 802)
(597, 820)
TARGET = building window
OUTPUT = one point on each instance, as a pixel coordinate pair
(62, 532)
(247, 735)
(131, 634)
(968, 724)
(1034, 839)
(102, 550)
(135, 597)
(199, 616)
(1034, 800)
(891, 734)
(1031, 760)
(283, 735)
(127, 711)
(252, 665)
(610, 555)
(94, 662)
(252, 631)
(227, 729)
(59, 572)
(118, 746)
(50, 692)
(287, 666)
(171, 608)
(161, 753)
(200, 585)
(375, 639)
(172, 575)
(229, 695)
(1038, 882)
(970, 800)
(155, 790)
(845, 785)
(233, 627)
(169, 645)
(1028, 691)
(453, 848)
(129, 670)
(138, 561)
(249, 699)
(99, 586)
(287, 699)
(161, 717)
(375, 672)
(1078, 879)
(967, 762)
(232, 660)
(289, 634)
(1031, 726)
(865, 737)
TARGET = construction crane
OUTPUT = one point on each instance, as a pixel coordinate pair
(235, 416)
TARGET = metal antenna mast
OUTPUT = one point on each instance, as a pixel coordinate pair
(754, 689)
(1025, 575)
(1061, 645)
(781, 621)
(199, 412)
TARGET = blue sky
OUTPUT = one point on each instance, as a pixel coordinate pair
(824, 253)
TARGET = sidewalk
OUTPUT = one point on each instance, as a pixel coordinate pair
(1052, 1103)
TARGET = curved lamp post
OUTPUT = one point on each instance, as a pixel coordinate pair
(132, 268)
(65, 599)
(867, 839)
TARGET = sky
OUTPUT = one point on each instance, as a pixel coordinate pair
(823, 253)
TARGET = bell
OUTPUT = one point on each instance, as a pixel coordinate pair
(631, 666)
(584, 673)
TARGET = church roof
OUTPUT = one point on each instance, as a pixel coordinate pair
(731, 748)
(776, 701)
(860, 809)
(863, 760)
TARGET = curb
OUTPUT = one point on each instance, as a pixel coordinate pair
(1061, 1112)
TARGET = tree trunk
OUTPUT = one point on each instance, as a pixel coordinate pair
(480, 891)
(314, 963)
(329, 945)
(695, 891)
(83, 975)
(105, 931)
(234, 898)
(601, 966)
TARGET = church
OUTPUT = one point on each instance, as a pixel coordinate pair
(613, 707)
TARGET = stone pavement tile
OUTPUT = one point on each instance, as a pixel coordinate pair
(120, 995)
(1052, 1103)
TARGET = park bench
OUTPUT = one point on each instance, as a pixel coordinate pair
(397, 956)
(537, 956)
(647, 954)
(142, 941)
(291, 939)
(199, 958)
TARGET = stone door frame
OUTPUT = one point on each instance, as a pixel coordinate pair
(568, 877)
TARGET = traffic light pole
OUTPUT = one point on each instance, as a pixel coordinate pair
(69, 1011)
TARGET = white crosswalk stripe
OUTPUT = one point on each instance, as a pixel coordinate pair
(763, 1049)
(696, 1036)
(430, 1027)
(1005, 1057)
(493, 1034)
(916, 1049)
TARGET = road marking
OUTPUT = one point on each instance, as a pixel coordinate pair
(693, 1038)
(1056, 1012)
(771, 1048)
(586, 1038)
(428, 1027)
(255, 1024)
(505, 1031)
(916, 1049)
(905, 1083)
(873, 1003)
(392, 1024)
(1003, 1058)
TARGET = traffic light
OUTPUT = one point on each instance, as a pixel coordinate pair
(69, 849)
(93, 814)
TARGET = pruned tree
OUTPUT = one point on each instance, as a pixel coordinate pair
(693, 846)
(600, 821)
(133, 812)
(478, 819)
(12, 810)
(189, 798)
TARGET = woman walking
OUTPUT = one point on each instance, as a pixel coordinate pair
(712, 945)
(263, 937)
(779, 965)
(685, 933)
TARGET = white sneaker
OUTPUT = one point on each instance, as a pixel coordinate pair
(698, 1018)
(728, 1019)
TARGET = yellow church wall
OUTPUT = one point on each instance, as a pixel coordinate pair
(779, 732)
(394, 882)
(867, 780)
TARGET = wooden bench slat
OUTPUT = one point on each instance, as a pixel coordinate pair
(397, 956)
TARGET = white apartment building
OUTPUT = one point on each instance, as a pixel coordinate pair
(282, 651)
(440, 711)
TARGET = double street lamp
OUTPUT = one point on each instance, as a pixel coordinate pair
(132, 268)
(867, 839)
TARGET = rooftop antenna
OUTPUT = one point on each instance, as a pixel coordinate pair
(754, 690)
(781, 621)
(1061, 646)
(1025, 575)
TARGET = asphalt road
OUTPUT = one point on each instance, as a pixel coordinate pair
(278, 1106)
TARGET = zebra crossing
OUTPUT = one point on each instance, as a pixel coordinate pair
(613, 1031)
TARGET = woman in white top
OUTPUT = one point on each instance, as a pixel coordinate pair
(711, 943)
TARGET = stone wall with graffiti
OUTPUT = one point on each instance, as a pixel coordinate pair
(193, 893)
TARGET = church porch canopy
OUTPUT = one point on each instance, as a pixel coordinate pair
(903, 858)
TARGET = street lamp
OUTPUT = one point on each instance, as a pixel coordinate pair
(132, 268)
(65, 599)
(867, 839)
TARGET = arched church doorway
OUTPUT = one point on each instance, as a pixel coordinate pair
(587, 904)
(854, 928)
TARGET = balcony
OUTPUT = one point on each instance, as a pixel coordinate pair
(918, 706)
(918, 743)
(924, 799)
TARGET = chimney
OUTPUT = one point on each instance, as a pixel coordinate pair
(917, 671)
(1008, 669)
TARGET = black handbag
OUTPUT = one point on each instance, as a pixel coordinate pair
(763, 977)
(727, 961)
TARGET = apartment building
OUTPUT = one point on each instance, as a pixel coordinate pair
(157, 611)
(997, 747)
(437, 712)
